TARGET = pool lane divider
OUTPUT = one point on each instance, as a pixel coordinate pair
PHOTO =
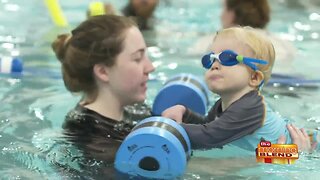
(56, 13)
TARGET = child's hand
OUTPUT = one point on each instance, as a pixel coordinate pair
(175, 112)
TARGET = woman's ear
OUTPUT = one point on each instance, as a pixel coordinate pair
(256, 78)
(101, 72)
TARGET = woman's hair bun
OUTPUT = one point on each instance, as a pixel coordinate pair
(60, 46)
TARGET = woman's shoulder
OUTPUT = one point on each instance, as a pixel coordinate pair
(81, 114)
(94, 133)
(83, 121)
(137, 112)
(78, 115)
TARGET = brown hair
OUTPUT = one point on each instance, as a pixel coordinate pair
(141, 20)
(254, 13)
(98, 40)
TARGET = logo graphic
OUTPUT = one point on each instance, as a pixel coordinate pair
(276, 153)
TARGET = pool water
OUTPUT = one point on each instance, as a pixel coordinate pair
(33, 107)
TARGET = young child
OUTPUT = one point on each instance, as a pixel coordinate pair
(239, 64)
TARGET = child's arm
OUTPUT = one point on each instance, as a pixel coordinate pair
(180, 114)
(190, 117)
(239, 120)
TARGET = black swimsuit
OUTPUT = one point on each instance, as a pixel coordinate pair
(99, 137)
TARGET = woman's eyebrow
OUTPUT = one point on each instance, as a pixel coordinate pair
(142, 50)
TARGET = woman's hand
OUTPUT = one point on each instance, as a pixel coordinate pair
(175, 112)
(300, 138)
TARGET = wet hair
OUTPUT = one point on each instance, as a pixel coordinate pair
(254, 13)
(258, 43)
(97, 40)
(129, 12)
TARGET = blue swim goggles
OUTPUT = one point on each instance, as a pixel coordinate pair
(230, 58)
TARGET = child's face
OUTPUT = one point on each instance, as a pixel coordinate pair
(128, 77)
(228, 79)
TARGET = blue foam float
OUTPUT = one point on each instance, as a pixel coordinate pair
(11, 65)
(157, 148)
(183, 89)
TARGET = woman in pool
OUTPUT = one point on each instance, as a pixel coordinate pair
(100, 60)
(104, 58)
(141, 11)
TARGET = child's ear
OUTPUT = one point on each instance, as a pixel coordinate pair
(256, 78)
(101, 72)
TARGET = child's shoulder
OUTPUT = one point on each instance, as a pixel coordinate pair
(250, 107)
(253, 100)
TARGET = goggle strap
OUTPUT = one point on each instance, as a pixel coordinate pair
(252, 60)
(253, 66)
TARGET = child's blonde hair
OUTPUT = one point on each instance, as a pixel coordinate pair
(260, 45)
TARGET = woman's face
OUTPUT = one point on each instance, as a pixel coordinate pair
(144, 8)
(227, 16)
(129, 75)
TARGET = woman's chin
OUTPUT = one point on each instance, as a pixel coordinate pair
(141, 98)
(135, 99)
